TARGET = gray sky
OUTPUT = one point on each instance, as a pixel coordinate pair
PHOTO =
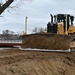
(38, 14)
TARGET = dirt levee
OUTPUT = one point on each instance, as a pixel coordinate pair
(42, 42)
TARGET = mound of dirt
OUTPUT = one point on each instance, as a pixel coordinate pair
(55, 42)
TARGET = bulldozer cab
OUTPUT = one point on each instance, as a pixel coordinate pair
(65, 19)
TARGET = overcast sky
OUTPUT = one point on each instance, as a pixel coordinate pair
(38, 14)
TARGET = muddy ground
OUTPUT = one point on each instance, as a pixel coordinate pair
(17, 62)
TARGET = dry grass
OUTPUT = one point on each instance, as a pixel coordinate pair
(42, 42)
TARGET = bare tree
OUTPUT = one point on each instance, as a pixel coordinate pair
(7, 4)
(39, 30)
(7, 33)
(35, 30)
(4, 6)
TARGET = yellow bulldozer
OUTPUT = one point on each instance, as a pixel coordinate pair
(61, 24)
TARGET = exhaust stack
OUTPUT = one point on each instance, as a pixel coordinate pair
(66, 26)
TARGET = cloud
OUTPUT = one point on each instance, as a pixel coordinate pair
(38, 14)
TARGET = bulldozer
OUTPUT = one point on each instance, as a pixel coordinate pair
(61, 24)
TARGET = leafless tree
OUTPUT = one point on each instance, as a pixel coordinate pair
(7, 3)
(35, 30)
(39, 30)
(7, 33)
(10, 35)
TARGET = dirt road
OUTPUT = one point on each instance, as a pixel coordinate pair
(17, 62)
